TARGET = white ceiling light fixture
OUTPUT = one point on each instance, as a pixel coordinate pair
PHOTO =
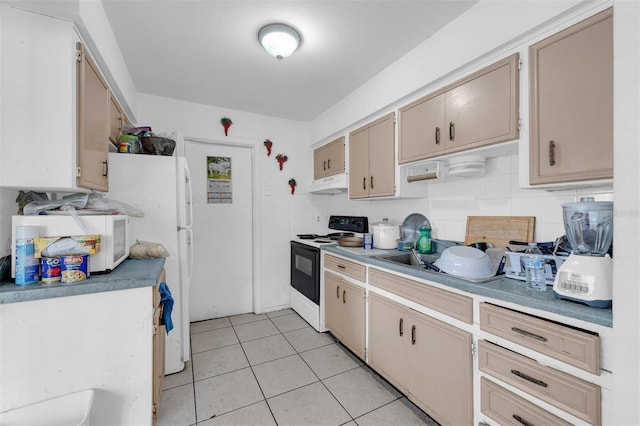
(279, 40)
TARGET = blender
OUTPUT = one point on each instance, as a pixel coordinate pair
(586, 276)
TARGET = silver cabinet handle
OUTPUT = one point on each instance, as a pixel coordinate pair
(401, 326)
(338, 292)
(106, 168)
(324, 165)
(329, 164)
(437, 135)
(413, 334)
(528, 334)
(371, 182)
(364, 183)
(344, 299)
(522, 421)
(452, 131)
(528, 378)
(552, 153)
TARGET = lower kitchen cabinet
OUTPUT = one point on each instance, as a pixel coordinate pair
(345, 312)
(159, 332)
(429, 360)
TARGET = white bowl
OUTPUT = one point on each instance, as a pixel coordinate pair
(465, 262)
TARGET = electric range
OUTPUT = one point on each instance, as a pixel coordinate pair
(305, 291)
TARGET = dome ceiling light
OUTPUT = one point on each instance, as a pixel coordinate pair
(279, 40)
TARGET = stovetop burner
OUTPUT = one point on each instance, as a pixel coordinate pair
(334, 236)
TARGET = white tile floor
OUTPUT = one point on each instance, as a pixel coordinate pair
(274, 369)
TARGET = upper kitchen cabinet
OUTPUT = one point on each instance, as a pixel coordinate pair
(55, 107)
(328, 160)
(94, 106)
(479, 110)
(571, 103)
(118, 121)
(422, 126)
(371, 159)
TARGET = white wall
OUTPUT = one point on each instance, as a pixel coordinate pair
(449, 201)
(272, 213)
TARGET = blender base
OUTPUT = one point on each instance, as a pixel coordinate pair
(602, 304)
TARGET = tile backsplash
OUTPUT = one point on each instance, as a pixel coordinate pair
(450, 200)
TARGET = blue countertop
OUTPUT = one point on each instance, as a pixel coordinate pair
(505, 289)
(132, 273)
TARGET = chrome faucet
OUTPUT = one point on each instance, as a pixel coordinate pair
(418, 258)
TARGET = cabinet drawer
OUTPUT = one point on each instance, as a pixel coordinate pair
(350, 269)
(573, 395)
(455, 305)
(509, 409)
(576, 347)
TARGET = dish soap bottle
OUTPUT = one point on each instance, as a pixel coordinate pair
(424, 240)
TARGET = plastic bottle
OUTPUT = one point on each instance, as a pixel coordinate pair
(27, 266)
(424, 240)
(534, 268)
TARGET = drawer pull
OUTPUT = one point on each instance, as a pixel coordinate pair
(522, 421)
(338, 292)
(528, 334)
(364, 182)
(437, 135)
(552, 153)
(413, 334)
(529, 378)
(401, 326)
(344, 300)
(324, 165)
(452, 131)
(341, 266)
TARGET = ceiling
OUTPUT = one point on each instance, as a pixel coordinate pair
(208, 52)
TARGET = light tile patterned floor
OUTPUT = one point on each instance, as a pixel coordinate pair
(274, 369)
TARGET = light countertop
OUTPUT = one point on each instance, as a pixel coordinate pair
(132, 273)
(505, 289)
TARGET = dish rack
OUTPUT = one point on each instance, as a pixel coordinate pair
(515, 268)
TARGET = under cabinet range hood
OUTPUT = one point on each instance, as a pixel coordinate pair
(336, 184)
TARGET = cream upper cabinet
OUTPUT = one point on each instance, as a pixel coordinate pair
(571, 103)
(56, 107)
(38, 89)
(479, 110)
(328, 160)
(422, 128)
(428, 359)
(371, 159)
(94, 105)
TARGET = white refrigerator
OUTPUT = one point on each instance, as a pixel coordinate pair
(160, 187)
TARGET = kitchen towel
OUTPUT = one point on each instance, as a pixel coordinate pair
(167, 306)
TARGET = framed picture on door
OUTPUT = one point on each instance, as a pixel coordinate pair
(219, 180)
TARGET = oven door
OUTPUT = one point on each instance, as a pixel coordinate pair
(305, 270)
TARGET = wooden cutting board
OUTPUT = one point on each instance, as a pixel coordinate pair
(499, 230)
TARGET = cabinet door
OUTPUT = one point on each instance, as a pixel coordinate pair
(332, 285)
(328, 160)
(352, 317)
(441, 375)
(38, 89)
(116, 121)
(345, 312)
(422, 129)
(381, 157)
(571, 103)
(388, 326)
(93, 125)
(482, 109)
(359, 163)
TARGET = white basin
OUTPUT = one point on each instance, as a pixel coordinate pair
(66, 410)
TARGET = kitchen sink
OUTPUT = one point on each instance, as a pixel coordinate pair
(408, 259)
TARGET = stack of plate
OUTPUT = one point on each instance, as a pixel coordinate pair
(467, 166)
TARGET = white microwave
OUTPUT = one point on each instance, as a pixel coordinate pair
(113, 231)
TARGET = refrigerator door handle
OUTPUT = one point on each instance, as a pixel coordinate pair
(189, 236)
(188, 195)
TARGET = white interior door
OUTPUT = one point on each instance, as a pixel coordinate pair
(221, 182)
